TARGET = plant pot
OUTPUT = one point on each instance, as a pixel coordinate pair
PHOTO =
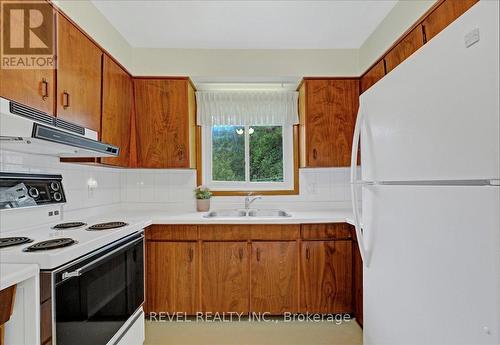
(202, 205)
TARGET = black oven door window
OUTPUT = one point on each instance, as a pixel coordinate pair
(91, 307)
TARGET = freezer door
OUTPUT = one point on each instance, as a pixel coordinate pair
(436, 116)
(434, 273)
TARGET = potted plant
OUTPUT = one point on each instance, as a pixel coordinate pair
(203, 195)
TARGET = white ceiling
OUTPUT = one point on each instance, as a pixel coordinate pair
(237, 24)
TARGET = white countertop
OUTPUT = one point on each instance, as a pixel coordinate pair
(11, 274)
(297, 217)
(88, 241)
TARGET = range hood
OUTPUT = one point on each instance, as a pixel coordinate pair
(25, 129)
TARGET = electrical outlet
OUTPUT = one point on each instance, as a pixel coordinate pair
(471, 37)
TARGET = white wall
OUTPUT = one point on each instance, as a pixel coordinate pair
(246, 64)
(400, 18)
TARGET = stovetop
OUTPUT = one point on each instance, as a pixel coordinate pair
(67, 241)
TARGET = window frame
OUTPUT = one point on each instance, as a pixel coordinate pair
(290, 166)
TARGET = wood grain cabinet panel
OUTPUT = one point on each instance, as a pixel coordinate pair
(79, 63)
(117, 98)
(160, 232)
(164, 123)
(406, 47)
(31, 87)
(328, 123)
(326, 277)
(372, 76)
(224, 232)
(171, 280)
(225, 277)
(274, 282)
(326, 231)
(444, 15)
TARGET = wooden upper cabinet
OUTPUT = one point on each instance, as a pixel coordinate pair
(373, 75)
(165, 123)
(171, 278)
(327, 119)
(31, 87)
(225, 277)
(444, 15)
(274, 285)
(117, 107)
(79, 64)
(326, 276)
(406, 47)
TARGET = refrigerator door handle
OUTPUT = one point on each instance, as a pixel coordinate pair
(355, 183)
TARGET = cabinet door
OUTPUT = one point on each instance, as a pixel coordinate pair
(78, 77)
(117, 98)
(171, 277)
(332, 106)
(274, 286)
(375, 73)
(444, 15)
(32, 87)
(225, 277)
(407, 46)
(162, 122)
(326, 276)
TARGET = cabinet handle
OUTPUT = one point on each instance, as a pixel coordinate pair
(240, 253)
(65, 99)
(308, 255)
(315, 153)
(424, 35)
(45, 89)
(258, 254)
(191, 254)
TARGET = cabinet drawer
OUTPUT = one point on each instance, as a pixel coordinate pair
(172, 233)
(333, 231)
(278, 232)
(224, 232)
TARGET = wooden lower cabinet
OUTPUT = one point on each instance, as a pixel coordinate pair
(326, 276)
(274, 277)
(251, 268)
(224, 276)
(172, 273)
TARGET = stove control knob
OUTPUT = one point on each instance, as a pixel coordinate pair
(54, 186)
(57, 196)
(33, 192)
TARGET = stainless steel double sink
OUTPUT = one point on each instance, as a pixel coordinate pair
(241, 213)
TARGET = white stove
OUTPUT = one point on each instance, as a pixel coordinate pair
(85, 241)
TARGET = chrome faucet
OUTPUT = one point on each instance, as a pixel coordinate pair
(249, 199)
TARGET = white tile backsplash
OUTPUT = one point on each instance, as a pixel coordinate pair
(170, 188)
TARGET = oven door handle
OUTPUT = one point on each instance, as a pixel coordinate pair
(81, 270)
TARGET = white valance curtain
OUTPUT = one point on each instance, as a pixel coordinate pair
(247, 108)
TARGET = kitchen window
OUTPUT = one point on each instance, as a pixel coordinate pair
(248, 157)
(248, 141)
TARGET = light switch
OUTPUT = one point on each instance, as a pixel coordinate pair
(471, 38)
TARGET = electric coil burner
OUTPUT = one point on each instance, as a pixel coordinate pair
(107, 226)
(13, 241)
(68, 225)
(50, 244)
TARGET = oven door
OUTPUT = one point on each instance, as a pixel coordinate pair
(96, 295)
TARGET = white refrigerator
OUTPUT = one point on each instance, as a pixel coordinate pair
(427, 201)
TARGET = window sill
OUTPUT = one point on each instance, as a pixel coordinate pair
(294, 191)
